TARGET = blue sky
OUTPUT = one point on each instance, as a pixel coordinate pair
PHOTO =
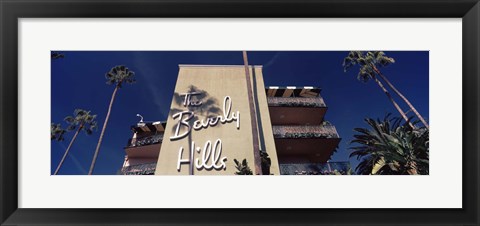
(78, 81)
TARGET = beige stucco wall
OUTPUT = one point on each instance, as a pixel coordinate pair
(217, 82)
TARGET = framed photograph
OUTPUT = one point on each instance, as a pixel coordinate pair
(157, 109)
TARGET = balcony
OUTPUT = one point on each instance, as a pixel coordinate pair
(296, 102)
(323, 131)
(153, 139)
(296, 110)
(305, 143)
(144, 147)
(329, 168)
(141, 169)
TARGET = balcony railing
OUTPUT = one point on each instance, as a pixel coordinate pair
(320, 131)
(140, 169)
(296, 102)
(329, 168)
(154, 139)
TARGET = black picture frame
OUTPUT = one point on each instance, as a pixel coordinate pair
(12, 10)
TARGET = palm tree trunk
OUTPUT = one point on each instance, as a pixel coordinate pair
(68, 149)
(103, 131)
(190, 154)
(393, 102)
(253, 116)
(401, 96)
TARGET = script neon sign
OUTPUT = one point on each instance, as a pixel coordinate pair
(211, 152)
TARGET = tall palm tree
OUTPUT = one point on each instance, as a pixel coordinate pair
(390, 147)
(371, 61)
(81, 120)
(118, 75)
(366, 73)
(253, 116)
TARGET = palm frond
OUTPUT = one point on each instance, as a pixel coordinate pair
(390, 146)
(82, 120)
(367, 62)
(118, 75)
(57, 132)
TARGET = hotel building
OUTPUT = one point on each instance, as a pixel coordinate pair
(210, 126)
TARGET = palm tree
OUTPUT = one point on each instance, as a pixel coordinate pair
(390, 147)
(118, 75)
(57, 132)
(81, 120)
(366, 73)
(253, 116)
(370, 62)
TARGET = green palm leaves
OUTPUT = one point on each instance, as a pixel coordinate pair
(83, 120)
(119, 75)
(391, 147)
(242, 168)
(367, 63)
(57, 132)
